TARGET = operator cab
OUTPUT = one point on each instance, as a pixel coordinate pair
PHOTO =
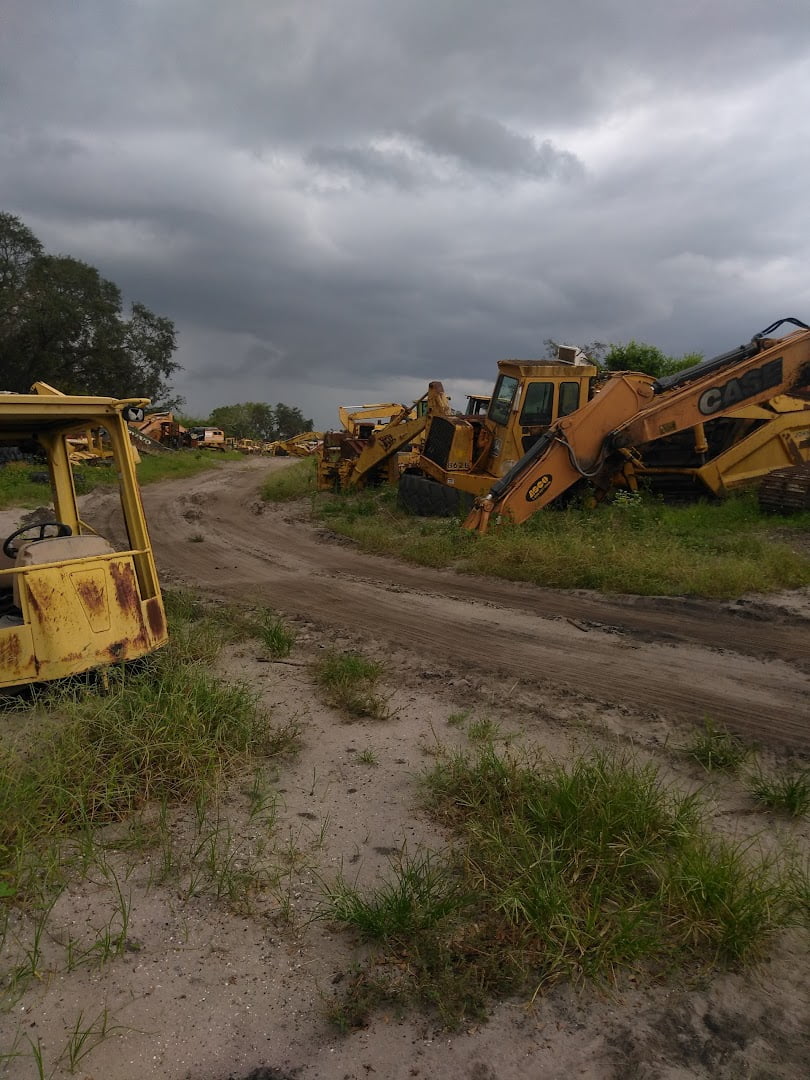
(530, 395)
(71, 600)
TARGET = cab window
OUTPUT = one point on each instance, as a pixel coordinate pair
(502, 399)
(569, 398)
(538, 404)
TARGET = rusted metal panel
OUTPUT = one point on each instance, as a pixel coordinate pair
(88, 617)
(91, 589)
(17, 659)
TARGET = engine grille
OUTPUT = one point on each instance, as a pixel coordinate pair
(439, 441)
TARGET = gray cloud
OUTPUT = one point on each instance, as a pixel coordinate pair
(483, 143)
(369, 164)
(332, 197)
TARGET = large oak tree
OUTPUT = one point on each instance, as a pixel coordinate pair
(62, 323)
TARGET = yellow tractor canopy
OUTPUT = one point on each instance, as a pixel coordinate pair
(71, 600)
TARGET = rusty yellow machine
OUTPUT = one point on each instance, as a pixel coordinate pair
(463, 455)
(634, 419)
(305, 444)
(370, 451)
(70, 601)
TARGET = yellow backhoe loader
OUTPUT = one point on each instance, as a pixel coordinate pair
(635, 419)
(463, 456)
(347, 460)
(304, 444)
(69, 600)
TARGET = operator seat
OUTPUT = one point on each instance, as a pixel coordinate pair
(58, 549)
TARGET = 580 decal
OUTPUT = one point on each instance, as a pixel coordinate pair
(748, 385)
(538, 487)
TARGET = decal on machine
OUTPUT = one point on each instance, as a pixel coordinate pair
(746, 386)
(538, 487)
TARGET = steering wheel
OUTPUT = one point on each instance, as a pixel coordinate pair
(10, 549)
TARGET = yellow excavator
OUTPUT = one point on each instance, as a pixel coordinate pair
(369, 452)
(634, 419)
(70, 600)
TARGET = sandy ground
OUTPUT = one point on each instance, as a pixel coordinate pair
(208, 992)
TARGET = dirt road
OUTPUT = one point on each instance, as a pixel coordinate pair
(745, 665)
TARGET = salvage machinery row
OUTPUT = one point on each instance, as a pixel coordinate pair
(71, 601)
(552, 429)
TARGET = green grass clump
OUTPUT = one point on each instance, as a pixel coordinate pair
(570, 871)
(717, 750)
(166, 731)
(294, 482)
(162, 730)
(420, 895)
(634, 545)
(788, 792)
(276, 636)
(182, 463)
(350, 682)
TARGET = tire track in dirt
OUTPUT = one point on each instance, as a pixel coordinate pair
(682, 659)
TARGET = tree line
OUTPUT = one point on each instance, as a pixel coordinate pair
(255, 420)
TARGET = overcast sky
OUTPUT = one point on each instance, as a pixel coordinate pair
(339, 200)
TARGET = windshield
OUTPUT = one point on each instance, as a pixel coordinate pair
(502, 399)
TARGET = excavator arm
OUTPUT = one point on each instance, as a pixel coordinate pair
(747, 376)
(633, 409)
(401, 430)
(382, 445)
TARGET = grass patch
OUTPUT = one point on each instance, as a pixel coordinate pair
(717, 750)
(182, 463)
(294, 482)
(787, 793)
(17, 488)
(572, 871)
(276, 636)
(160, 731)
(350, 682)
(640, 545)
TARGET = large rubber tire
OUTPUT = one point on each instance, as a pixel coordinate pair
(424, 497)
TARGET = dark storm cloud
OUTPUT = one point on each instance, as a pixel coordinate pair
(483, 143)
(369, 164)
(329, 196)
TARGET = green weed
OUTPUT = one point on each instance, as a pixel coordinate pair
(350, 682)
(458, 719)
(162, 731)
(573, 871)
(420, 895)
(717, 749)
(276, 636)
(635, 545)
(18, 489)
(483, 730)
(294, 482)
(788, 792)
